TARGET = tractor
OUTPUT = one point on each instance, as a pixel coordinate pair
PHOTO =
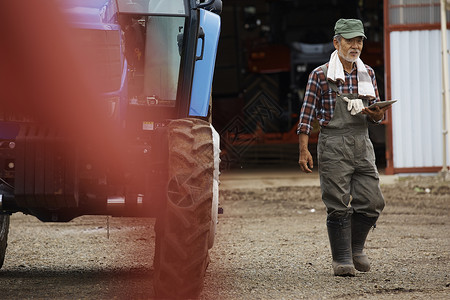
(153, 61)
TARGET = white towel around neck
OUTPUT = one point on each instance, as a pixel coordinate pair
(336, 72)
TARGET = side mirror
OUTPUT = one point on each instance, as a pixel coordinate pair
(214, 6)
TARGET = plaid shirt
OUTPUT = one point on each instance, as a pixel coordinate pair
(319, 99)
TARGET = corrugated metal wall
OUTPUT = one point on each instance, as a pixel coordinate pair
(416, 83)
(407, 12)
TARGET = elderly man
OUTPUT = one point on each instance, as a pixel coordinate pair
(337, 94)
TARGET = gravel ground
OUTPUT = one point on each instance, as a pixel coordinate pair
(271, 244)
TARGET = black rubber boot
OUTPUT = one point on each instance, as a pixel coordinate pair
(339, 233)
(361, 226)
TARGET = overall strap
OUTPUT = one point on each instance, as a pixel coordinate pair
(332, 84)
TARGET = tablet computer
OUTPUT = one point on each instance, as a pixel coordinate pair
(382, 104)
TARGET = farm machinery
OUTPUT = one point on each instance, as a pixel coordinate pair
(153, 64)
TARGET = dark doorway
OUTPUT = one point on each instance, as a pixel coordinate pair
(267, 49)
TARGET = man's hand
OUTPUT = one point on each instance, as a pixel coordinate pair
(377, 113)
(305, 159)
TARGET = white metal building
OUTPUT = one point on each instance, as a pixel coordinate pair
(413, 69)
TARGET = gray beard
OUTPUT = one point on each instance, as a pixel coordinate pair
(346, 57)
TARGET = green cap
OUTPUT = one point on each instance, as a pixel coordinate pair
(349, 28)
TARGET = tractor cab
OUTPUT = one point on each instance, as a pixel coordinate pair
(170, 47)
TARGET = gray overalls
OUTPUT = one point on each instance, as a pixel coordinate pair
(349, 178)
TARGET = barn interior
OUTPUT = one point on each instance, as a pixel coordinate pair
(267, 49)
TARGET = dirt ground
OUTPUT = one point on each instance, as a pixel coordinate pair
(271, 244)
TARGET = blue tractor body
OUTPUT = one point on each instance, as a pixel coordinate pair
(152, 64)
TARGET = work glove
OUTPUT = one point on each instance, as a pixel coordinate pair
(354, 106)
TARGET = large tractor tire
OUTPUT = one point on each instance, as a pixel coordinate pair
(4, 229)
(185, 231)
